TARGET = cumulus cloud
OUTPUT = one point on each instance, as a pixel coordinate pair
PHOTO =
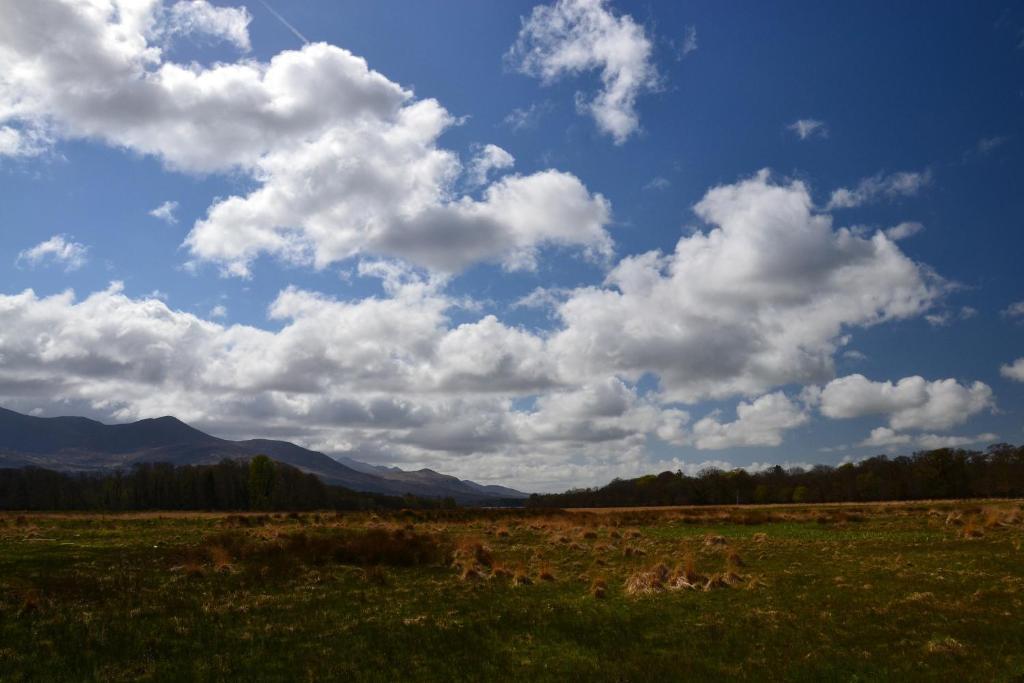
(576, 36)
(381, 375)
(758, 423)
(1014, 371)
(931, 441)
(165, 212)
(200, 17)
(884, 436)
(904, 230)
(26, 142)
(489, 158)
(910, 403)
(59, 250)
(344, 161)
(880, 186)
(761, 299)
(809, 128)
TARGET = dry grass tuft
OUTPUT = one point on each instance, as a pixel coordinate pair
(220, 558)
(599, 588)
(971, 529)
(500, 572)
(471, 554)
(470, 574)
(760, 537)
(521, 578)
(712, 540)
(716, 581)
(645, 582)
(734, 560)
(944, 646)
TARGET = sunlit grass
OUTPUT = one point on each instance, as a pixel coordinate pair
(891, 592)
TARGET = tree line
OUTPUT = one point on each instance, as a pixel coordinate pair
(259, 484)
(997, 472)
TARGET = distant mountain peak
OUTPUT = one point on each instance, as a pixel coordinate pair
(82, 444)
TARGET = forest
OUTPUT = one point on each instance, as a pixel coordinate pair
(259, 484)
(945, 473)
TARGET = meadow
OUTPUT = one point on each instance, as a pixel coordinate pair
(924, 591)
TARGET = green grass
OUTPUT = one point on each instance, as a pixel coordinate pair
(893, 593)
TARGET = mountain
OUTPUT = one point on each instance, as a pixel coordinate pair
(78, 444)
(427, 477)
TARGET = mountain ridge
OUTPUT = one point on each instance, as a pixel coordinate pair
(80, 444)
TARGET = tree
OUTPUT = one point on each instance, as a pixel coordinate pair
(261, 482)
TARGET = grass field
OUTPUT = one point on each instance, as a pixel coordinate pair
(924, 591)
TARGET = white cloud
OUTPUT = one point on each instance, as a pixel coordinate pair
(1014, 371)
(381, 375)
(809, 128)
(903, 184)
(884, 436)
(758, 423)
(523, 118)
(932, 441)
(490, 158)
(1015, 310)
(218, 311)
(762, 299)
(910, 403)
(575, 36)
(945, 317)
(59, 250)
(689, 41)
(658, 183)
(26, 142)
(987, 145)
(198, 16)
(904, 230)
(165, 212)
(344, 160)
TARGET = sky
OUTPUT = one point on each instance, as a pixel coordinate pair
(542, 245)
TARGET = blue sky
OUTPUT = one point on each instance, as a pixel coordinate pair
(522, 243)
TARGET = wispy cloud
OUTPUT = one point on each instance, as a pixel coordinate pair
(658, 183)
(809, 128)
(58, 250)
(689, 41)
(880, 186)
(165, 212)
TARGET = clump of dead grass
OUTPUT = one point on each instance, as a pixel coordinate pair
(944, 646)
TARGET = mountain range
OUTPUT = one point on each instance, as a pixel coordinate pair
(78, 444)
